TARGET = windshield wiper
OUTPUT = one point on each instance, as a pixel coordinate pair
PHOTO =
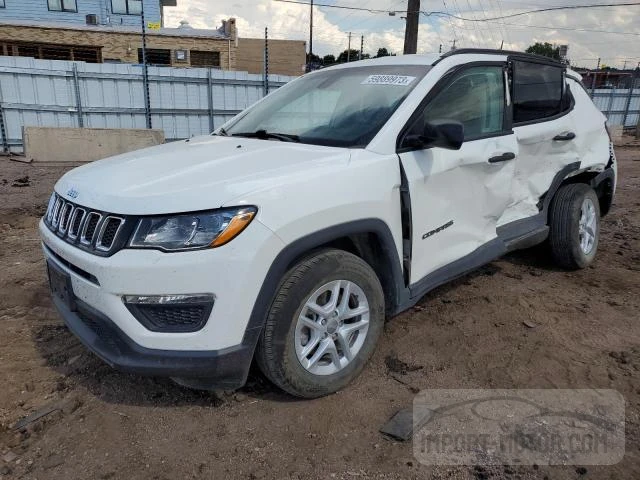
(264, 135)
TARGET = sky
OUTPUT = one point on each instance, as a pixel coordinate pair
(332, 25)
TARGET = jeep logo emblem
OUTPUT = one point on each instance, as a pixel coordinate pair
(72, 193)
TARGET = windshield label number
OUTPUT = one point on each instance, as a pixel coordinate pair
(398, 80)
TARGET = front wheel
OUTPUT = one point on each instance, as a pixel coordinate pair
(323, 325)
(574, 226)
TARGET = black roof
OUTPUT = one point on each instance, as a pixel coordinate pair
(491, 51)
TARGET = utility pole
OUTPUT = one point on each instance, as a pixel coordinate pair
(145, 69)
(361, 46)
(593, 80)
(411, 28)
(349, 49)
(266, 62)
(310, 37)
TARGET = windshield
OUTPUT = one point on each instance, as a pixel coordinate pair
(342, 108)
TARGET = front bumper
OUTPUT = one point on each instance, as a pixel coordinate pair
(224, 369)
(221, 350)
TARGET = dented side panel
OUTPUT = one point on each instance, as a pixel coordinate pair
(457, 197)
(592, 142)
(541, 156)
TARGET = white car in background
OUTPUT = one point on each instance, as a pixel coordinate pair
(292, 232)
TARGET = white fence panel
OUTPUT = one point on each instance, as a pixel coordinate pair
(184, 101)
(620, 105)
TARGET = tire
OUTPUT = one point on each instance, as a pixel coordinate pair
(281, 347)
(574, 226)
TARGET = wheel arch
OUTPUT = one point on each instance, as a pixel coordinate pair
(602, 182)
(370, 239)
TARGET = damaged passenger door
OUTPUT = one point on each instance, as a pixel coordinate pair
(545, 130)
(457, 196)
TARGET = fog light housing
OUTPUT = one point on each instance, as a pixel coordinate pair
(171, 313)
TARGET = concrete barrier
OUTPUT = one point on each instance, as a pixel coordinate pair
(45, 144)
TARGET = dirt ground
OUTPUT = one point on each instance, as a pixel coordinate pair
(469, 334)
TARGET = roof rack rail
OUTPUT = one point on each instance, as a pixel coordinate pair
(491, 51)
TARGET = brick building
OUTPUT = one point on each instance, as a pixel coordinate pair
(115, 37)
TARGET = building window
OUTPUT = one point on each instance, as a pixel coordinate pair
(156, 56)
(205, 59)
(126, 7)
(62, 5)
(51, 51)
(2, 4)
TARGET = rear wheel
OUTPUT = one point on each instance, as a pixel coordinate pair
(323, 325)
(574, 226)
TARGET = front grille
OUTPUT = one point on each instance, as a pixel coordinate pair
(91, 230)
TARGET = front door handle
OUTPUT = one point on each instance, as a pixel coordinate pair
(563, 137)
(502, 158)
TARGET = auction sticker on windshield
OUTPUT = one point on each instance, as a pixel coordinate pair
(399, 80)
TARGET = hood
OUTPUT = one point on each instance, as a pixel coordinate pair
(199, 174)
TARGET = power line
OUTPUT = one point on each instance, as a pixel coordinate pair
(550, 9)
(453, 28)
(588, 30)
(540, 10)
(475, 25)
(345, 7)
(490, 31)
(456, 8)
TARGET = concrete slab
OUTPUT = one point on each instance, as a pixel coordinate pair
(47, 144)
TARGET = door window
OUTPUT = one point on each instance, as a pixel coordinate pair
(475, 98)
(537, 91)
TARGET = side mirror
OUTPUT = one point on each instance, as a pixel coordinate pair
(447, 134)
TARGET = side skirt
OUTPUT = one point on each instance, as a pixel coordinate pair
(523, 233)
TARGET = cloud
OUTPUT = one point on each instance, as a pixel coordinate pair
(331, 26)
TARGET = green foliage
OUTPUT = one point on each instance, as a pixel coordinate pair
(329, 59)
(546, 49)
(342, 58)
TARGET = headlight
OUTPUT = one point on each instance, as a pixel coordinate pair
(192, 231)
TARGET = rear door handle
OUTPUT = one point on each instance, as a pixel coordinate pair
(564, 137)
(502, 158)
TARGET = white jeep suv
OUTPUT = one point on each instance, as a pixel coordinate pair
(291, 233)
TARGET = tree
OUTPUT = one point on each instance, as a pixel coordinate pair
(545, 49)
(342, 58)
(329, 59)
(313, 58)
(382, 52)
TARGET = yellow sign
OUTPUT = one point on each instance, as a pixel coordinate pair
(153, 25)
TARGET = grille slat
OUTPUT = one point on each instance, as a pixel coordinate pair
(57, 210)
(90, 226)
(76, 222)
(90, 230)
(108, 232)
(65, 217)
